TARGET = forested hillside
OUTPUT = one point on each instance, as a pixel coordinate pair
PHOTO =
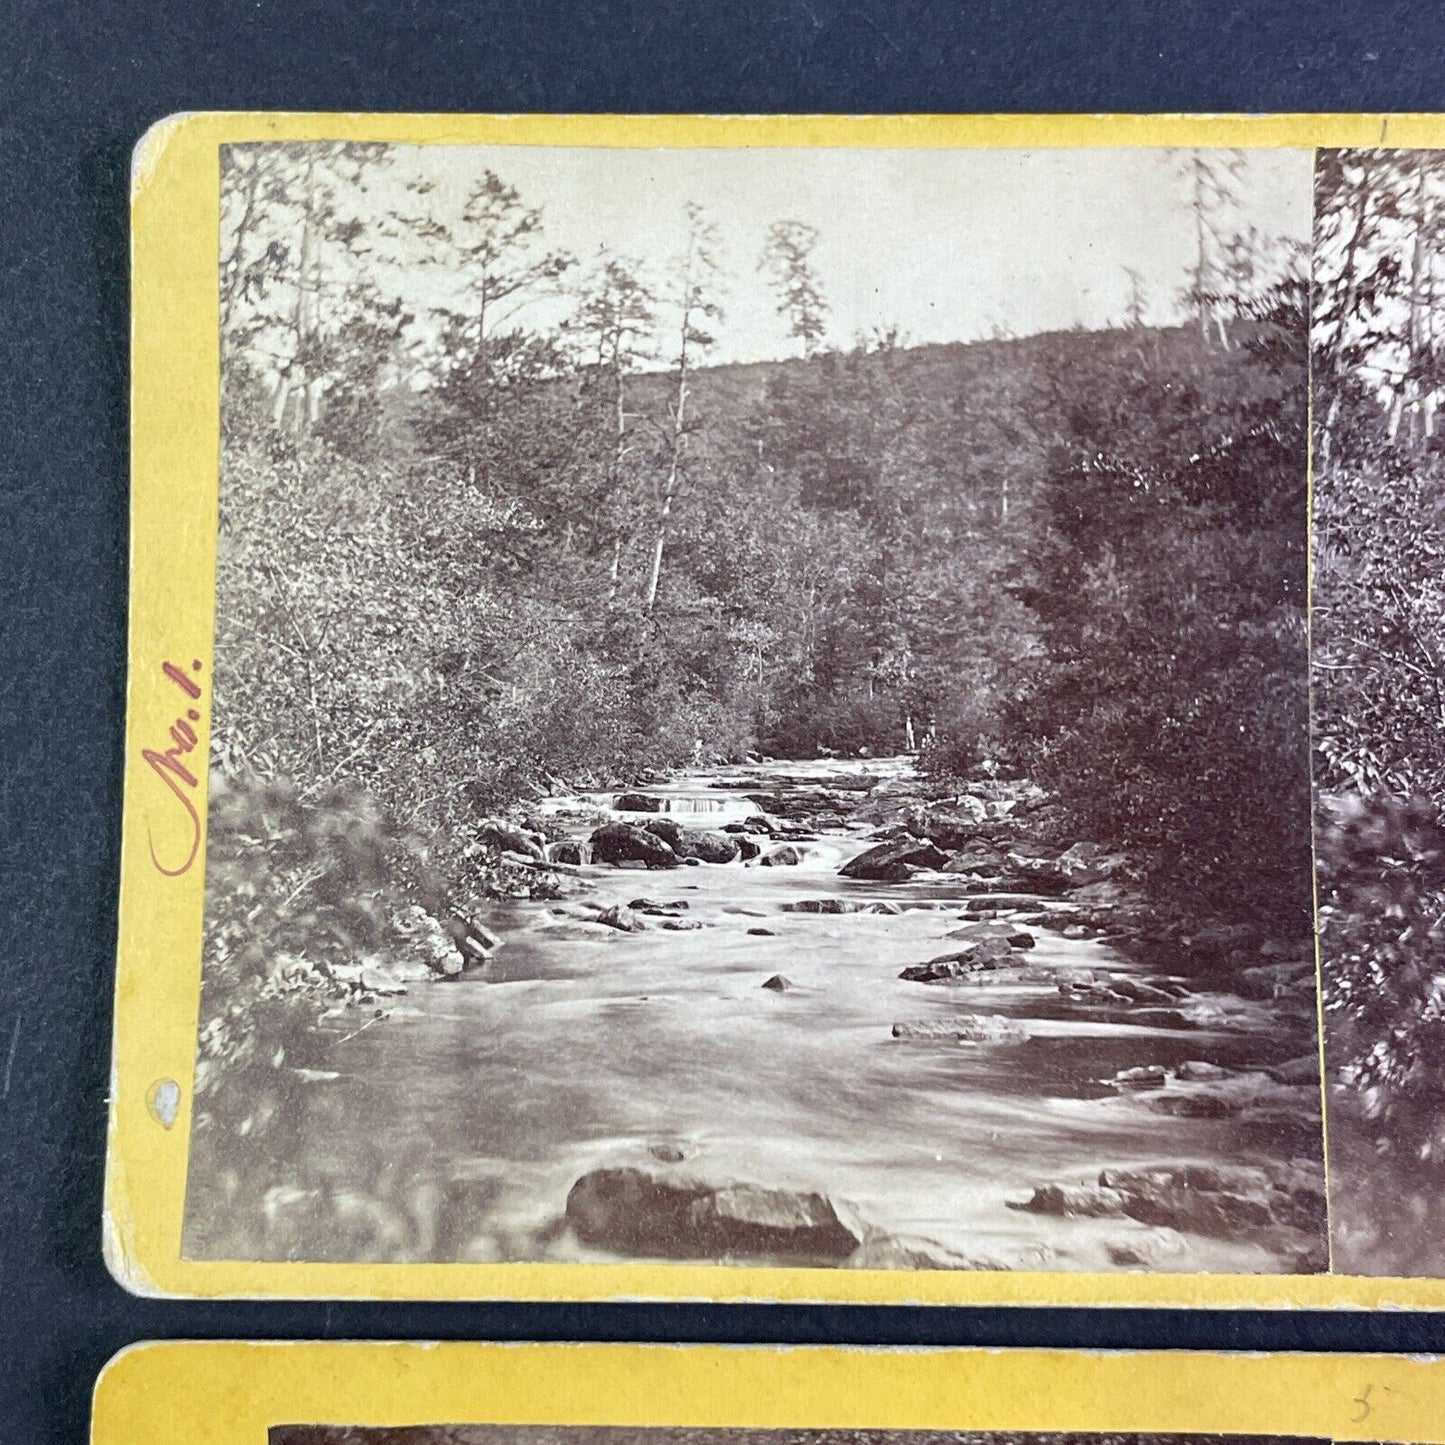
(1078, 555)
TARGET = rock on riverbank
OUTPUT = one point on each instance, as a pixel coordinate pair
(1283, 1204)
(631, 1211)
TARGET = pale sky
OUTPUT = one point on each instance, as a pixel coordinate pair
(946, 244)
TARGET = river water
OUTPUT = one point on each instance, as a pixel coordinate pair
(579, 1047)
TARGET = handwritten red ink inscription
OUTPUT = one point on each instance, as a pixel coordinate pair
(173, 772)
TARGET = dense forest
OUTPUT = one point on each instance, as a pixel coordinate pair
(471, 555)
(1379, 667)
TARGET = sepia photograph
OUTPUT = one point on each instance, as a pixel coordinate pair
(654, 1435)
(1378, 664)
(761, 710)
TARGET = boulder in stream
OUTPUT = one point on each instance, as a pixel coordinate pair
(964, 1029)
(1204, 1199)
(977, 932)
(708, 847)
(1107, 893)
(653, 908)
(984, 956)
(1199, 1199)
(1088, 1201)
(1303, 1070)
(974, 853)
(630, 1211)
(623, 843)
(894, 862)
(783, 856)
(622, 918)
(576, 851)
(497, 833)
(427, 945)
(954, 824)
(1199, 1070)
(825, 905)
(890, 799)
(1146, 1249)
(1275, 980)
(1196, 1105)
(669, 830)
(1087, 863)
(778, 983)
(636, 803)
(887, 1252)
(1137, 990)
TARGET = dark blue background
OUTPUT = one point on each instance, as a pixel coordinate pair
(78, 85)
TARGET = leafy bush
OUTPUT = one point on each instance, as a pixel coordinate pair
(1381, 866)
(966, 739)
(1379, 619)
(845, 725)
(300, 894)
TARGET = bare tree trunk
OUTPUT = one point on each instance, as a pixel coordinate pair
(1327, 429)
(1201, 250)
(615, 478)
(231, 267)
(695, 260)
(674, 473)
(1417, 308)
(654, 575)
(1349, 275)
(810, 631)
(301, 384)
(283, 395)
(616, 567)
(1349, 270)
(488, 385)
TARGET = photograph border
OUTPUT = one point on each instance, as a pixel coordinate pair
(231, 1392)
(175, 427)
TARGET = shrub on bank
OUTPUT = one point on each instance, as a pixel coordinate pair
(846, 725)
(1381, 866)
(300, 891)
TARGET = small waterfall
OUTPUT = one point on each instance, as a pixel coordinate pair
(698, 810)
(699, 805)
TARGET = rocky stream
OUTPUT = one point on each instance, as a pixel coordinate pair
(815, 1013)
